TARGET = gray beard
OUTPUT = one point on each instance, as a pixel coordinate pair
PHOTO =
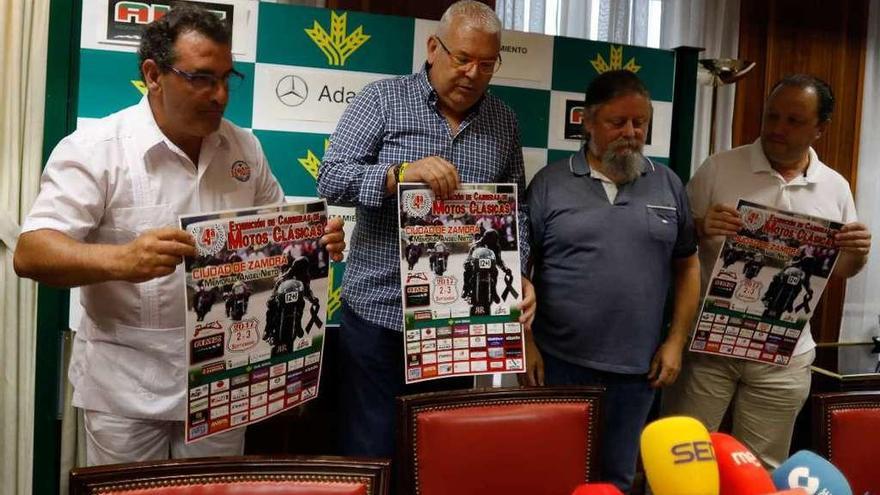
(625, 168)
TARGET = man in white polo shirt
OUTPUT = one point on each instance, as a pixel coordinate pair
(780, 170)
(106, 217)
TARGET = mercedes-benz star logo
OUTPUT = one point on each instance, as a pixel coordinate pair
(292, 90)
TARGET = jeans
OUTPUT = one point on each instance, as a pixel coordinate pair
(626, 403)
(370, 368)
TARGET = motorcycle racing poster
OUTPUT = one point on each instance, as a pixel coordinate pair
(256, 300)
(765, 285)
(461, 282)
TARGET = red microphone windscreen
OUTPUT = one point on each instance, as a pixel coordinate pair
(739, 471)
(596, 489)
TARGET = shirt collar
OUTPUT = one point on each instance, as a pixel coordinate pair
(150, 135)
(430, 94)
(579, 166)
(760, 164)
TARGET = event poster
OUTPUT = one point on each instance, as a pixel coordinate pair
(461, 282)
(256, 300)
(765, 285)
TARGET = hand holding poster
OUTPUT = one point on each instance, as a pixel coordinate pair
(256, 296)
(765, 285)
(460, 274)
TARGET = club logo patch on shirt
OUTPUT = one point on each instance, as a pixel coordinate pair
(241, 171)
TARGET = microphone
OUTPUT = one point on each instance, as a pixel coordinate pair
(678, 457)
(812, 473)
(739, 471)
(596, 489)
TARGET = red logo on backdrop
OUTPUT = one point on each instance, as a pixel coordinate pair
(241, 171)
(126, 18)
(576, 115)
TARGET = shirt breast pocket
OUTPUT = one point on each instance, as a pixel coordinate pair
(123, 225)
(662, 222)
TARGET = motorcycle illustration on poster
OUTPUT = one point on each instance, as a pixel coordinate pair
(765, 285)
(461, 281)
(256, 299)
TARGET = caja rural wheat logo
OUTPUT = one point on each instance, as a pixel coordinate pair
(337, 45)
(615, 62)
(311, 162)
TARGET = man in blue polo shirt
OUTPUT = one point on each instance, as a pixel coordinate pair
(611, 232)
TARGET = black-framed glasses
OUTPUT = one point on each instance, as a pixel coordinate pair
(202, 81)
(460, 61)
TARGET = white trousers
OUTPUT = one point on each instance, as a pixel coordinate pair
(112, 439)
(765, 398)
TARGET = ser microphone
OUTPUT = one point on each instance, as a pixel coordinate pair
(678, 457)
(739, 471)
(812, 473)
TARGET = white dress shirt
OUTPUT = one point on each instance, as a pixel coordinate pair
(108, 183)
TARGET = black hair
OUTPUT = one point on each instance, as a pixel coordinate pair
(158, 38)
(609, 85)
(823, 92)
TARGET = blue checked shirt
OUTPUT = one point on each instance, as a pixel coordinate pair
(393, 121)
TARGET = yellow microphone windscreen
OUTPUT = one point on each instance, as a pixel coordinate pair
(678, 457)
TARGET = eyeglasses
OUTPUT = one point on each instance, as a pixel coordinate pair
(202, 81)
(465, 62)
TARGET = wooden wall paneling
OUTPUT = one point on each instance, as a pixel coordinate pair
(826, 39)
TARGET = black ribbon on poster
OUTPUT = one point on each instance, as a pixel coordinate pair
(508, 282)
(314, 319)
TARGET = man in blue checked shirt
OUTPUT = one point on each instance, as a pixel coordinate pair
(439, 127)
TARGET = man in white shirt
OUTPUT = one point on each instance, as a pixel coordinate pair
(105, 219)
(779, 170)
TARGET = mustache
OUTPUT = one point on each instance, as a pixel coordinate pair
(622, 142)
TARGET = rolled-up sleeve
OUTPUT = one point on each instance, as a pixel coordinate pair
(350, 174)
(73, 191)
(686, 242)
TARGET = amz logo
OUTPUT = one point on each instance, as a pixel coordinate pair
(145, 13)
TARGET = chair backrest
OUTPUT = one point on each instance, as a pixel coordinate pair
(846, 430)
(250, 475)
(499, 441)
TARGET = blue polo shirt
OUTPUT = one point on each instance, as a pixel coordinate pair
(602, 271)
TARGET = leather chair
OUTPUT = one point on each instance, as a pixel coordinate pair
(249, 475)
(499, 441)
(846, 431)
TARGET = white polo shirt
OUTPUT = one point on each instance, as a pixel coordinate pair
(108, 183)
(746, 173)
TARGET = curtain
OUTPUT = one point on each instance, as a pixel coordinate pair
(573, 19)
(861, 310)
(713, 25)
(24, 26)
(623, 21)
(513, 14)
